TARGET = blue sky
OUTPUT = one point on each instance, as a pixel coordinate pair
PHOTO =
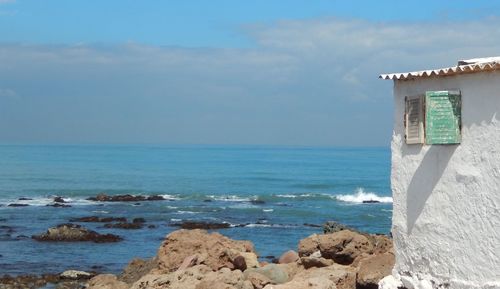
(222, 72)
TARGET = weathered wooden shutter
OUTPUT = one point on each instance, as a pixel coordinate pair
(414, 117)
(443, 117)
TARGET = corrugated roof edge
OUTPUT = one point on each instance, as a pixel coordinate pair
(463, 67)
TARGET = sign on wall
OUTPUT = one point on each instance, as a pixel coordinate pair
(443, 117)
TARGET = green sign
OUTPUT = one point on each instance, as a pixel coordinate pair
(443, 119)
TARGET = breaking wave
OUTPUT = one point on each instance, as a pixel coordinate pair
(363, 197)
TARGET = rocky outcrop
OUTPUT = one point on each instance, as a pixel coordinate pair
(214, 250)
(342, 247)
(195, 259)
(190, 225)
(96, 219)
(125, 198)
(74, 233)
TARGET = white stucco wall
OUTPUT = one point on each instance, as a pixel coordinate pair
(446, 218)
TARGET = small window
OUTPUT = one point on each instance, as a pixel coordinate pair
(414, 117)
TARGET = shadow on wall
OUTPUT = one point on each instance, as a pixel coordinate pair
(425, 179)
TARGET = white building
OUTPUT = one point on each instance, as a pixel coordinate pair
(446, 177)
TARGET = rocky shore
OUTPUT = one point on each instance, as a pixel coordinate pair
(339, 258)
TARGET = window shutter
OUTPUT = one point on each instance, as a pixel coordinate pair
(414, 116)
(443, 117)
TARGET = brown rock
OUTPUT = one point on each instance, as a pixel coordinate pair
(136, 269)
(127, 226)
(372, 269)
(188, 262)
(240, 263)
(310, 262)
(288, 257)
(343, 247)
(106, 281)
(258, 280)
(215, 249)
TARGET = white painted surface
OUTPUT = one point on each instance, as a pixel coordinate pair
(446, 217)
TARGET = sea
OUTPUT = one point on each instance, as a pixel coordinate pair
(273, 196)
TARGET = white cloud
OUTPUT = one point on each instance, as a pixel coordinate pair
(305, 82)
(7, 1)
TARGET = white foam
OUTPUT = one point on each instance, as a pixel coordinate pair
(268, 210)
(170, 197)
(361, 196)
(232, 198)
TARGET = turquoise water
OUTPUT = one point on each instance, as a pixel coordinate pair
(294, 186)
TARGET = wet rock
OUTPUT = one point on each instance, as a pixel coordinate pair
(207, 200)
(190, 225)
(257, 202)
(213, 250)
(59, 200)
(17, 205)
(333, 227)
(58, 205)
(27, 281)
(96, 219)
(312, 225)
(136, 269)
(124, 198)
(288, 257)
(372, 269)
(138, 220)
(126, 226)
(74, 233)
(343, 247)
(152, 226)
(370, 202)
(25, 199)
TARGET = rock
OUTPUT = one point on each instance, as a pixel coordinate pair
(257, 202)
(17, 205)
(190, 225)
(312, 225)
(214, 250)
(25, 199)
(106, 281)
(343, 246)
(371, 202)
(58, 205)
(372, 269)
(74, 233)
(188, 262)
(251, 259)
(319, 262)
(272, 271)
(197, 277)
(136, 269)
(138, 220)
(59, 200)
(333, 227)
(124, 198)
(332, 277)
(127, 226)
(258, 280)
(96, 219)
(75, 275)
(382, 244)
(152, 226)
(288, 257)
(239, 263)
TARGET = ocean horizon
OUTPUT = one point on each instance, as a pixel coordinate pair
(271, 195)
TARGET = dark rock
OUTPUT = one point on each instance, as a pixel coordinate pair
(58, 205)
(95, 219)
(138, 220)
(257, 202)
(22, 237)
(59, 200)
(152, 226)
(125, 198)
(25, 199)
(74, 233)
(240, 263)
(17, 205)
(190, 225)
(127, 226)
(207, 200)
(312, 225)
(333, 227)
(370, 201)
